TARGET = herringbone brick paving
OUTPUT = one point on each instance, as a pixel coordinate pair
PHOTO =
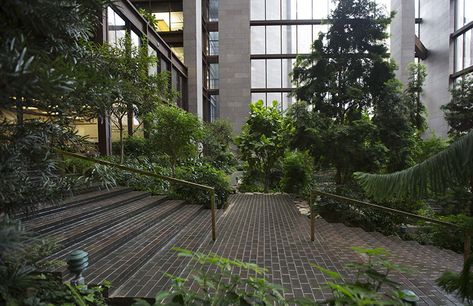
(135, 251)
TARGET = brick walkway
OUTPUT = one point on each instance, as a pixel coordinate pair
(269, 231)
(130, 243)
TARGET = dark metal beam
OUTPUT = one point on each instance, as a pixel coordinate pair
(420, 50)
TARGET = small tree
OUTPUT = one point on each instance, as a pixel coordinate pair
(263, 139)
(176, 133)
(216, 145)
(413, 94)
(344, 78)
(459, 112)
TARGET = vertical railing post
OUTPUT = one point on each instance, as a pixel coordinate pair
(212, 208)
(466, 244)
(312, 217)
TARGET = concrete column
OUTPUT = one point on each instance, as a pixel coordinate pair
(437, 24)
(234, 61)
(193, 54)
(403, 36)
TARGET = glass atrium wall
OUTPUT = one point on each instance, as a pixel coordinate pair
(463, 37)
(280, 30)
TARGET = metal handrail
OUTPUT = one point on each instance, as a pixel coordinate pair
(467, 234)
(209, 189)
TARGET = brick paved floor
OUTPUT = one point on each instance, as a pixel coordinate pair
(129, 236)
(269, 231)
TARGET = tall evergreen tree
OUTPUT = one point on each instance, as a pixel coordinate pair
(459, 112)
(346, 77)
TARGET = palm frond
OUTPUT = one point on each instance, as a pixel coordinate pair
(450, 167)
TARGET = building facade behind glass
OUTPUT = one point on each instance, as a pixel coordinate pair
(239, 51)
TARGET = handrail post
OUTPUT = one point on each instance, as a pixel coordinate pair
(312, 217)
(212, 208)
(466, 245)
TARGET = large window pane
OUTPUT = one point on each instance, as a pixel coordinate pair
(304, 9)
(273, 96)
(459, 53)
(153, 67)
(177, 21)
(256, 96)
(273, 40)
(317, 29)
(258, 74)
(468, 53)
(213, 10)
(287, 100)
(304, 38)
(257, 40)
(116, 27)
(213, 76)
(273, 73)
(289, 41)
(257, 9)
(213, 43)
(288, 10)
(273, 10)
(163, 21)
(287, 65)
(320, 9)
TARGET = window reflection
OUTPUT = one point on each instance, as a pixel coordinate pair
(213, 76)
(258, 73)
(273, 73)
(273, 40)
(258, 40)
(213, 43)
(116, 27)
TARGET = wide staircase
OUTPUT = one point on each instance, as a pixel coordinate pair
(129, 236)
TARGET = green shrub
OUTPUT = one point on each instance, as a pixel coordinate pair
(134, 146)
(176, 133)
(429, 147)
(202, 174)
(297, 170)
(216, 145)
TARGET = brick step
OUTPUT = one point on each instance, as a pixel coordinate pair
(75, 214)
(151, 278)
(122, 262)
(92, 225)
(442, 257)
(422, 263)
(112, 237)
(76, 201)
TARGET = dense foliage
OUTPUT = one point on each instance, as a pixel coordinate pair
(263, 140)
(459, 112)
(297, 168)
(216, 145)
(176, 133)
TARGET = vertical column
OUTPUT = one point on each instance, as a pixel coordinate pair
(403, 36)
(437, 24)
(193, 55)
(234, 61)
(104, 130)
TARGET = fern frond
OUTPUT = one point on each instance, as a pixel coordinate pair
(450, 167)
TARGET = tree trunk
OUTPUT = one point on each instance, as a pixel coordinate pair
(122, 145)
(19, 113)
(338, 177)
(267, 174)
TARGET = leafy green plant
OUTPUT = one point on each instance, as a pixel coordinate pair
(22, 284)
(371, 278)
(459, 112)
(216, 142)
(297, 168)
(263, 139)
(204, 174)
(459, 283)
(451, 167)
(176, 133)
(219, 285)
